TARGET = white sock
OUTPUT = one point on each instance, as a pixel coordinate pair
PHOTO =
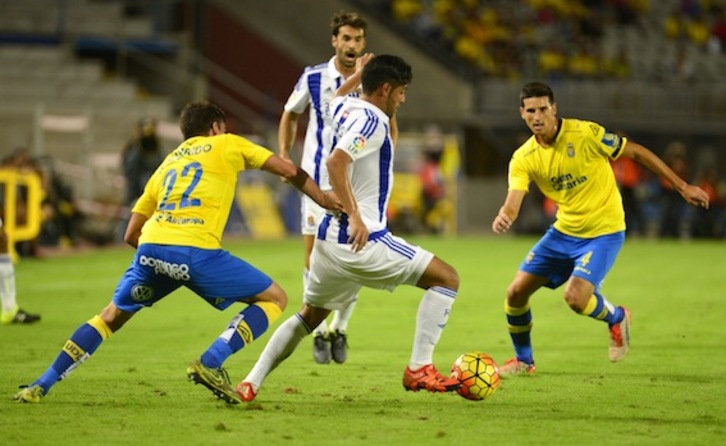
(433, 312)
(341, 317)
(322, 329)
(7, 284)
(283, 342)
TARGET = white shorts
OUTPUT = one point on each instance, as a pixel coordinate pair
(337, 273)
(310, 215)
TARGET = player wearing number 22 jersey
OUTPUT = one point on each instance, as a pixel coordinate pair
(177, 226)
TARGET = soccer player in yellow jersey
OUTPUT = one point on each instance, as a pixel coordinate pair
(177, 227)
(569, 161)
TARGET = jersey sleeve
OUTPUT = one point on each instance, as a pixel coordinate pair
(243, 154)
(519, 177)
(300, 96)
(147, 203)
(362, 136)
(608, 143)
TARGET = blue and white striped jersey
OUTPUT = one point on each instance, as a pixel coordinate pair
(362, 131)
(316, 87)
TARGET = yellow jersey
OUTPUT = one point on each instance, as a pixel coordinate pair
(189, 197)
(575, 173)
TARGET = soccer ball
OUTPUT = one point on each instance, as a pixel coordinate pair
(478, 374)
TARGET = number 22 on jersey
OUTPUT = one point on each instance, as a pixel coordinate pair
(193, 170)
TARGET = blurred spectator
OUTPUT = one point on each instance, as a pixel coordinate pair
(717, 42)
(61, 218)
(710, 222)
(673, 211)
(552, 63)
(679, 69)
(584, 62)
(628, 175)
(404, 10)
(433, 183)
(673, 25)
(559, 39)
(21, 161)
(140, 158)
(698, 30)
(619, 66)
(628, 12)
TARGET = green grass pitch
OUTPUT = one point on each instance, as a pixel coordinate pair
(670, 390)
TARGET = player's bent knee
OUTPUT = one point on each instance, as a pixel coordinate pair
(516, 297)
(439, 273)
(575, 302)
(274, 294)
(451, 278)
(114, 317)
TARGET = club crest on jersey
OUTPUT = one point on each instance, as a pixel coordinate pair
(570, 150)
(359, 142)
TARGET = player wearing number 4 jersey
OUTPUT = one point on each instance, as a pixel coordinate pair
(354, 249)
(177, 227)
(569, 161)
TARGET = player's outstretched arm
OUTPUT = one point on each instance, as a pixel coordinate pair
(692, 194)
(286, 131)
(301, 180)
(509, 211)
(353, 81)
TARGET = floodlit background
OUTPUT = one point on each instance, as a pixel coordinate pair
(81, 78)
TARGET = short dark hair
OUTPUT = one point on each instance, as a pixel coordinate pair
(197, 117)
(536, 90)
(385, 69)
(351, 19)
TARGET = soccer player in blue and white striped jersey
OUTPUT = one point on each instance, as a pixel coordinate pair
(314, 90)
(354, 249)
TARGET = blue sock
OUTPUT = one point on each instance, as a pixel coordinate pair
(247, 326)
(519, 320)
(77, 349)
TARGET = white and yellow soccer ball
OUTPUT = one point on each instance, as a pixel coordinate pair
(478, 374)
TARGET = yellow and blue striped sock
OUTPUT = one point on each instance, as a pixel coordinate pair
(84, 341)
(519, 321)
(247, 326)
(599, 308)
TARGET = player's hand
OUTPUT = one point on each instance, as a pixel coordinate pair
(331, 202)
(696, 196)
(363, 60)
(501, 223)
(358, 232)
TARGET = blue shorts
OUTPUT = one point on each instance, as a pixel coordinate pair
(214, 274)
(558, 256)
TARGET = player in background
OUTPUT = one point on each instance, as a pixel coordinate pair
(569, 161)
(355, 249)
(11, 312)
(176, 226)
(314, 90)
